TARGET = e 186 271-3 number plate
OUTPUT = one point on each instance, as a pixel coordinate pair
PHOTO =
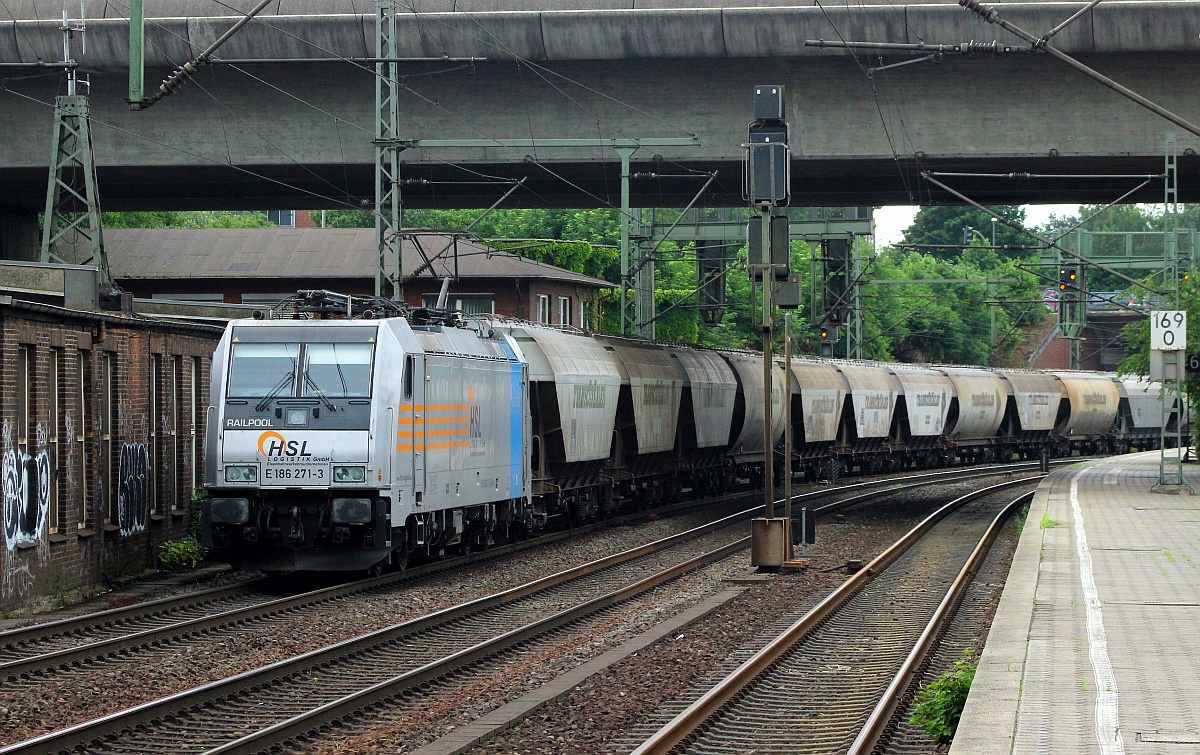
(317, 474)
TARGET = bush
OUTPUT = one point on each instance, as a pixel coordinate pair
(940, 705)
(180, 555)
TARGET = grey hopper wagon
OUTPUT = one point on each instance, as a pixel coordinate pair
(1140, 417)
(705, 419)
(873, 393)
(574, 387)
(647, 417)
(923, 403)
(747, 446)
(1088, 413)
(976, 411)
(1031, 410)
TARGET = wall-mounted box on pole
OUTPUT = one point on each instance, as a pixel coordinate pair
(780, 256)
(768, 158)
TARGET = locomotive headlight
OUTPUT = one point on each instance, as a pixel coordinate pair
(247, 473)
(229, 510)
(352, 511)
(349, 474)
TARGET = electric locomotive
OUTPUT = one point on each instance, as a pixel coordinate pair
(339, 445)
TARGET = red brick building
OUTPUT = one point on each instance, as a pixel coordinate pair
(262, 265)
(102, 420)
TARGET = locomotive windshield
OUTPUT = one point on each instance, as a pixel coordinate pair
(310, 370)
(257, 369)
(337, 370)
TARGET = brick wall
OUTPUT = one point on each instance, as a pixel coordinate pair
(100, 431)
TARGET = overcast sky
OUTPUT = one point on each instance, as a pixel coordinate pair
(890, 222)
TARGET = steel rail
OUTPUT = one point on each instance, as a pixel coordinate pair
(112, 646)
(112, 616)
(875, 728)
(286, 730)
(157, 635)
(13, 638)
(710, 703)
(113, 724)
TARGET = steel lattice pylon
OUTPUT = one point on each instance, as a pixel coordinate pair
(387, 154)
(72, 204)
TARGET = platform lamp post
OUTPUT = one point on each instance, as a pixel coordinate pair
(768, 186)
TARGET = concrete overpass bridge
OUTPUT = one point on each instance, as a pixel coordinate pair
(298, 134)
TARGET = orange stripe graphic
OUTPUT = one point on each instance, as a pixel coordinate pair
(445, 444)
(443, 433)
(410, 421)
(446, 407)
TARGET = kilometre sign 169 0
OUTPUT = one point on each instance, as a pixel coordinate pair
(1168, 330)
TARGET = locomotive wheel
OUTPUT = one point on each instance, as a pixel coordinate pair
(400, 559)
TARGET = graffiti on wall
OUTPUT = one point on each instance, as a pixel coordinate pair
(133, 488)
(26, 494)
(25, 482)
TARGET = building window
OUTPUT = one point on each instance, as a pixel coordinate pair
(25, 383)
(564, 310)
(155, 425)
(107, 431)
(468, 304)
(176, 418)
(85, 376)
(282, 218)
(194, 389)
(543, 309)
(53, 390)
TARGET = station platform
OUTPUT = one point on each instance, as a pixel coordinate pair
(1095, 647)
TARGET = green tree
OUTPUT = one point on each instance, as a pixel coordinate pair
(174, 219)
(964, 225)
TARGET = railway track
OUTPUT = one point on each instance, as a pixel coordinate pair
(832, 681)
(283, 701)
(121, 633)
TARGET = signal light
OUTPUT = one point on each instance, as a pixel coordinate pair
(1067, 278)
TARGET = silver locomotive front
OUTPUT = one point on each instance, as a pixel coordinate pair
(292, 480)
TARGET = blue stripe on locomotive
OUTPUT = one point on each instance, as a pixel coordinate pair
(516, 423)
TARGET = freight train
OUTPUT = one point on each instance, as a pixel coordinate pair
(351, 444)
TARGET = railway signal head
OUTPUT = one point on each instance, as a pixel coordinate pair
(1068, 278)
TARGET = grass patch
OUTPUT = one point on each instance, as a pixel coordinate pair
(1022, 515)
(939, 706)
(1047, 521)
(1169, 555)
(180, 555)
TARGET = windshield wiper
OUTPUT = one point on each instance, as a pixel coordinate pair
(284, 382)
(318, 392)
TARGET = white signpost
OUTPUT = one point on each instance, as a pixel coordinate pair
(1168, 342)
(1168, 330)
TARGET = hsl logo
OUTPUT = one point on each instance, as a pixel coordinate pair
(274, 444)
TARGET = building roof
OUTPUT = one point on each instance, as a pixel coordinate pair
(290, 253)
